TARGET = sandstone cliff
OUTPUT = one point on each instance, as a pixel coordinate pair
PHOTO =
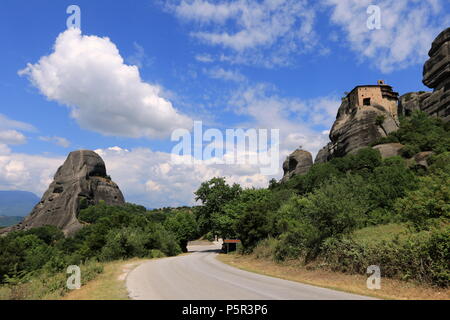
(298, 162)
(436, 75)
(80, 181)
(356, 127)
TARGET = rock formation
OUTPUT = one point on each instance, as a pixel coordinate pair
(357, 126)
(80, 181)
(298, 162)
(324, 154)
(389, 149)
(436, 75)
(411, 101)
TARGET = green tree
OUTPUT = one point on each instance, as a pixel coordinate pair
(254, 210)
(184, 226)
(214, 195)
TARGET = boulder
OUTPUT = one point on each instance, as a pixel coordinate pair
(389, 149)
(81, 181)
(420, 159)
(297, 163)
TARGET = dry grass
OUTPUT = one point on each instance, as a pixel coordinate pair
(390, 289)
(110, 285)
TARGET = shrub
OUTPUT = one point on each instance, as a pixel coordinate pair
(265, 249)
(429, 202)
(422, 257)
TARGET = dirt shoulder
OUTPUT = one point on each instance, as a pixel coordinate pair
(109, 285)
(390, 289)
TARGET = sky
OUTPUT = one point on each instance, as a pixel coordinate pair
(137, 71)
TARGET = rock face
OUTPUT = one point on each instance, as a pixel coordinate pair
(357, 127)
(324, 154)
(436, 75)
(298, 162)
(80, 181)
(412, 101)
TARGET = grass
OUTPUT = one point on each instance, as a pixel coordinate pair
(100, 281)
(390, 288)
(387, 232)
(110, 285)
(45, 286)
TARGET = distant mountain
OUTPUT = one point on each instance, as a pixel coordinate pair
(17, 203)
(9, 221)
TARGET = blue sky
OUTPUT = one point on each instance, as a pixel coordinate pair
(275, 64)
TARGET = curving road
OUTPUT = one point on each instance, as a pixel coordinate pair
(200, 276)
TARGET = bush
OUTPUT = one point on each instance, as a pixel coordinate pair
(410, 150)
(422, 257)
(421, 132)
(265, 249)
(123, 244)
(332, 210)
(429, 202)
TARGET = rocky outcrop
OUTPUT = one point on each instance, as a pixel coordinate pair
(297, 163)
(412, 101)
(81, 181)
(436, 75)
(421, 159)
(324, 154)
(357, 127)
(389, 149)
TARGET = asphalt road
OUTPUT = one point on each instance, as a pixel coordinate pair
(200, 276)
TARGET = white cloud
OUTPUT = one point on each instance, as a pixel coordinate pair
(59, 141)
(6, 123)
(87, 74)
(12, 137)
(225, 74)
(151, 178)
(301, 122)
(205, 58)
(27, 172)
(8, 134)
(407, 29)
(248, 27)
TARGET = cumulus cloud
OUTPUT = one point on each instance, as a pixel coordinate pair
(87, 74)
(407, 29)
(153, 179)
(249, 27)
(59, 141)
(27, 172)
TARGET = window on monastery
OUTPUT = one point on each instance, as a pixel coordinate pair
(366, 101)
